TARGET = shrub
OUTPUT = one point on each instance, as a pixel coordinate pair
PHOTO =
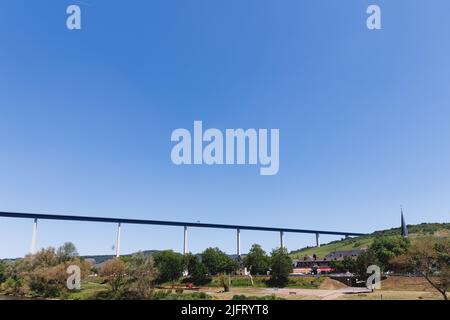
(179, 290)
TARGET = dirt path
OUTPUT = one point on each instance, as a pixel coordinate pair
(322, 294)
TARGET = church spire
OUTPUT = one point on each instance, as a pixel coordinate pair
(403, 228)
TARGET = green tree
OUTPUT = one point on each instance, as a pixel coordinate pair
(386, 248)
(198, 273)
(363, 261)
(142, 273)
(114, 272)
(281, 267)
(43, 258)
(66, 252)
(348, 264)
(48, 281)
(170, 265)
(2, 271)
(217, 261)
(42, 274)
(257, 260)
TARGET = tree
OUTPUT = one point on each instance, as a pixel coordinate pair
(2, 271)
(363, 261)
(257, 260)
(281, 266)
(114, 271)
(142, 274)
(348, 264)
(43, 273)
(217, 261)
(198, 273)
(48, 281)
(429, 258)
(66, 252)
(170, 265)
(386, 248)
(43, 258)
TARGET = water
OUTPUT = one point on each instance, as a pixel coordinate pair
(2, 297)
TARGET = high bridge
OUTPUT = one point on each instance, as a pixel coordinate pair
(119, 221)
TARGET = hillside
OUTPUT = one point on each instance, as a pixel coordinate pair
(441, 230)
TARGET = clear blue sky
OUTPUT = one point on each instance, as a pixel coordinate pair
(86, 117)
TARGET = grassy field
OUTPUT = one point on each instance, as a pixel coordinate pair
(260, 281)
(252, 293)
(89, 290)
(394, 288)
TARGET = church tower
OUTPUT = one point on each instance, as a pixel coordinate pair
(403, 228)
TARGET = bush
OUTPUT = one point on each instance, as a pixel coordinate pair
(164, 295)
(224, 281)
(179, 290)
(48, 282)
(12, 286)
(43, 273)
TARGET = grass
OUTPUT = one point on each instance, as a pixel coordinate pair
(244, 297)
(305, 282)
(342, 245)
(168, 295)
(439, 230)
(89, 290)
(252, 293)
(260, 282)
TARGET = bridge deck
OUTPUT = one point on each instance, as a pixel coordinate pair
(167, 223)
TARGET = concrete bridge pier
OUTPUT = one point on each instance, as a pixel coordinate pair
(185, 241)
(317, 240)
(238, 242)
(33, 237)
(281, 239)
(119, 227)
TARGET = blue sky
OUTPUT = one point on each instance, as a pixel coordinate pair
(86, 118)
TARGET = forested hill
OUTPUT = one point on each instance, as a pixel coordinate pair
(441, 230)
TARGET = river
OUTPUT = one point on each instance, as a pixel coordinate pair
(3, 297)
